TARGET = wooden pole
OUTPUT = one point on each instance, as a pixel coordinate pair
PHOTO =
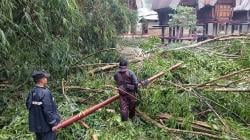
(94, 108)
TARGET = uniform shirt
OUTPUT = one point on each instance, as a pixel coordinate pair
(43, 114)
(126, 76)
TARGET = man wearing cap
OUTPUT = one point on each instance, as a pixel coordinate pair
(43, 114)
(127, 83)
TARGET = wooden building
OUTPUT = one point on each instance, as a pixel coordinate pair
(215, 16)
(241, 17)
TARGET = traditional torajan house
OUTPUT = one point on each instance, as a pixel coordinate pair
(241, 17)
(216, 16)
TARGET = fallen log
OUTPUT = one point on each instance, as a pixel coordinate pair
(201, 98)
(196, 125)
(5, 85)
(94, 108)
(109, 67)
(168, 117)
(247, 90)
(84, 113)
(221, 38)
(94, 65)
(219, 54)
(82, 123)
(172, 130)
(214, 102)
(224, 76)
(237, 81)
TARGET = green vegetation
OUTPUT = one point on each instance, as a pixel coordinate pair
(184, 17)
(161, 97)
(58, 35)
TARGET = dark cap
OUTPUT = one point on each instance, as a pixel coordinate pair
(123, 62)
(39, 74)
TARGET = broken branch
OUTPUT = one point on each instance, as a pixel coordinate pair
(82, 123)
(247, 90)
(221, 38)
(196, 125)
(172, 130)
(224, 76)
(109, 67)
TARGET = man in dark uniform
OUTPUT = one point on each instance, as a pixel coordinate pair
(127, 82)
(43, 113)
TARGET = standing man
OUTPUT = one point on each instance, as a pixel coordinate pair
(127, 82)
(43, 113)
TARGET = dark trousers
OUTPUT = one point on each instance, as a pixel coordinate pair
(46, 136)
(127, 107)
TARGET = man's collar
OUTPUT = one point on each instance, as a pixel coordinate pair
(40, 86)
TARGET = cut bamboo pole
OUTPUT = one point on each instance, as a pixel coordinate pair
(109, 67)
(172, 130)
(247, 90)
(221, 38)
(94, 108)
(224, 76)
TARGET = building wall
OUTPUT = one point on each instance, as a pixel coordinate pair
(205, 14)
(240, 16)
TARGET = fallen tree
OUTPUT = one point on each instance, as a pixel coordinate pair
(109, 67)
(246, 90)
(94, 108)
(172, 130)
(221, 38)
(196, 125)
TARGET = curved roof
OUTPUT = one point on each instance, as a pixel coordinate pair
(243, 6)
(159, 4)
(144, 13)
(203, 3)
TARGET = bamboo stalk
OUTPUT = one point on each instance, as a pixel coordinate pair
(95, 64)
(180, 119)
(236, 81)
(196, 125)
(202, 99)
(221, 38)
(220, 54)
(84, 124)
(247, 90)
(224, 76)
(94, 108)
(109, 67)
(172, 130)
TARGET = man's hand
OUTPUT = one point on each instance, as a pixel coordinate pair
(144, 82)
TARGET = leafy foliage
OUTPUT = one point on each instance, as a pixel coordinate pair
(54, 35)
(161, 97)
(58, 34)
(184, 16)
